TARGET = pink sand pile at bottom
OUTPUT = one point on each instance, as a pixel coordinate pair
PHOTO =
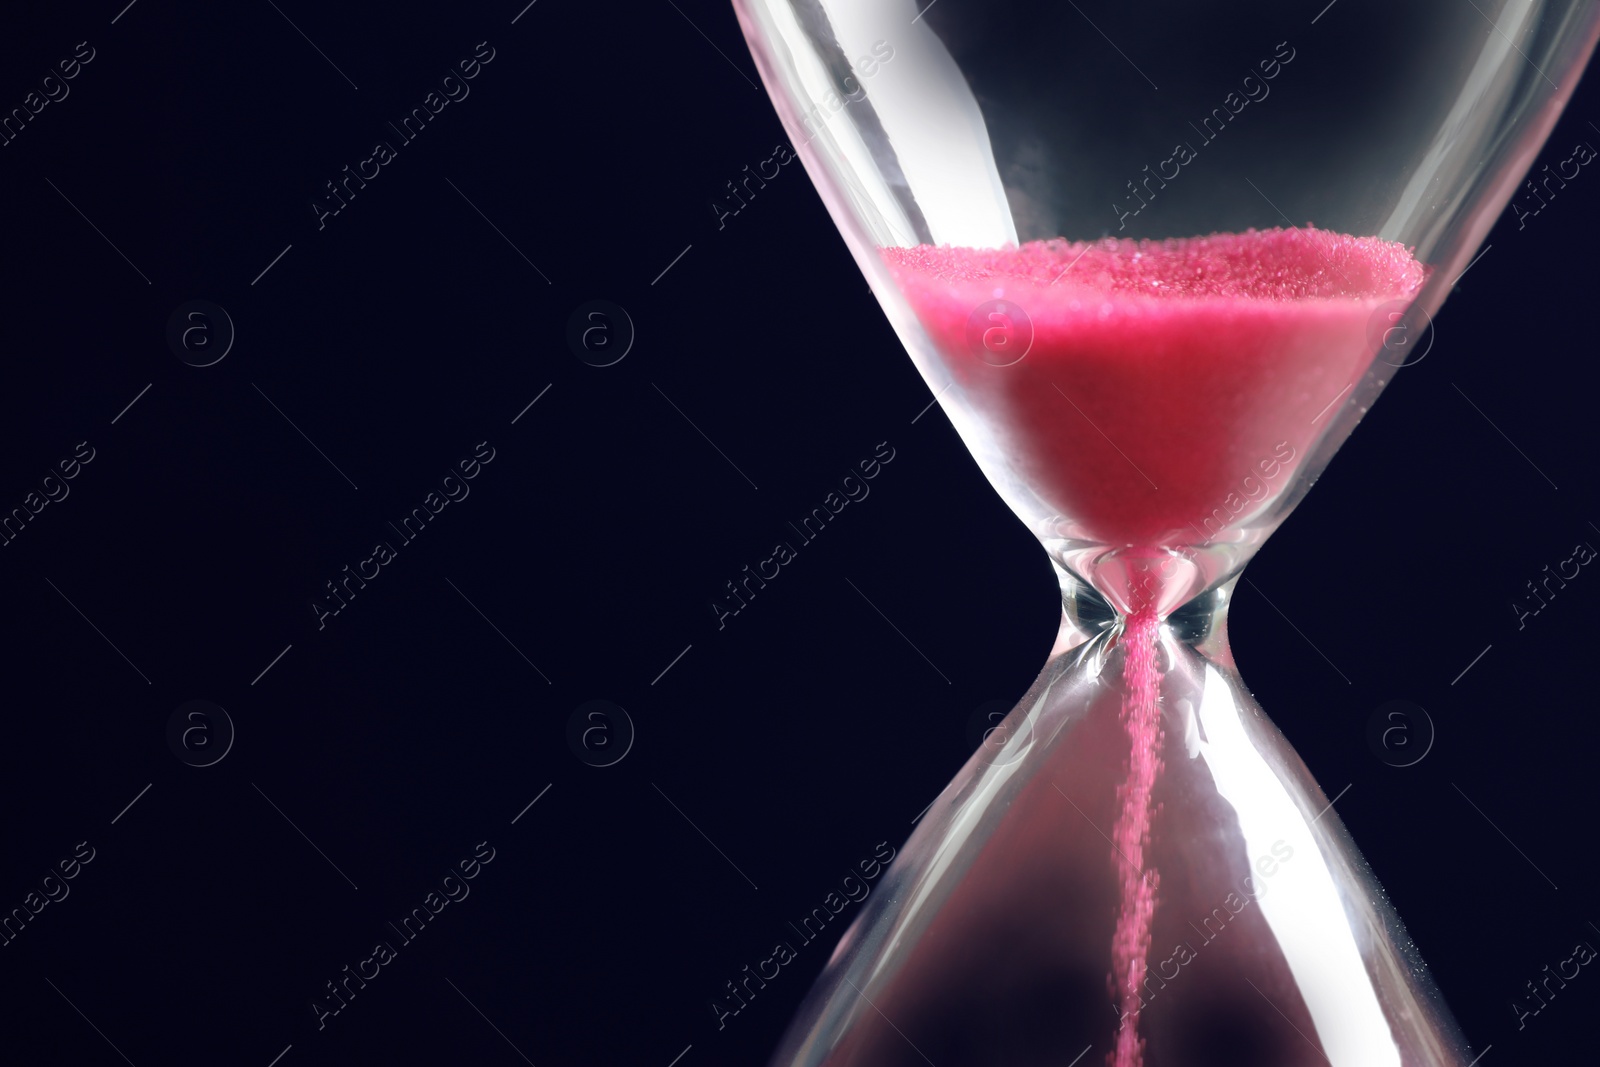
(1162, 374)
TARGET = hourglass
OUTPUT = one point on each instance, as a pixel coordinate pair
(1155, 261)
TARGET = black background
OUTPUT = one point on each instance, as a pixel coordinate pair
(773, 754)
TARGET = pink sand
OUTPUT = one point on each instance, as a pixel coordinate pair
(1166, 379)
(1130, 945)
(1168, 383)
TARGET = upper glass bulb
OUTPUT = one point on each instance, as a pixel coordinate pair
(1156, 261)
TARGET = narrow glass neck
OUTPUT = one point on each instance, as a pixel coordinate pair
(1087, 616)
